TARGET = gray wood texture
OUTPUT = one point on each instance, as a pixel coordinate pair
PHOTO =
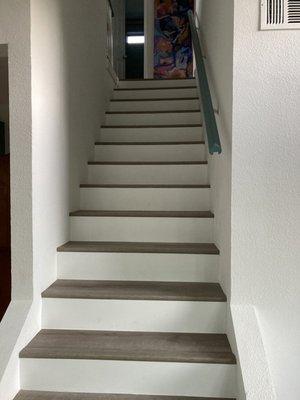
(134, 290)
(130, 346)
(140, 247)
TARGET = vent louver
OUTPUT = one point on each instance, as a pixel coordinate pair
(280, 14)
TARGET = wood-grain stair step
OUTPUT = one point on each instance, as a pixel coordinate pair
(153, 126)
(135, 290)
(130, 346)
(37, 395)
(157, 99)
(142, 186)
(155, 88)
(152, 112)
(139, 247)
(142, 214)
(147, 163)
(196, 142)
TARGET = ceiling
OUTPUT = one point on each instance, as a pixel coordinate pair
(134, 9)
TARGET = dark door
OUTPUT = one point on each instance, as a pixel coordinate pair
(134, 61)
(5, 265)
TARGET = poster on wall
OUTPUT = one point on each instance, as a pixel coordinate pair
(173, 52)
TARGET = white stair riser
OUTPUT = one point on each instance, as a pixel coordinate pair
(133, 84)
(158, 199)
(102, 376)
(155, 94)
(192, 152)
(166, 134)
(148, 174)
(188, 118)
(187, 230)
(152, 105)
(134, 315)
(138, 267)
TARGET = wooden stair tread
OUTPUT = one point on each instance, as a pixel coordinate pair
(135, 290)
(147, 163)
(152, 126)
(142, 186)
(155, 79)
(156, 88)
(142, 214)
(156, 99)
(153, 112)
(37, 395)
(140, 247)
(195, 142)
(130, 346)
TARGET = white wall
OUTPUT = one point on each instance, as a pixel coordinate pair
(59, 46)
(266, 189)
(15, 31)
(217, 43)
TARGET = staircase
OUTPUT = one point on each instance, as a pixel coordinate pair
(136, 312)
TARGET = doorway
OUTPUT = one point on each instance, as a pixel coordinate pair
(5, 241)
(134, 30)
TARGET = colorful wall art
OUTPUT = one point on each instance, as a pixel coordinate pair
(173, 53)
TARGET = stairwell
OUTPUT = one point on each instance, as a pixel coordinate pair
(137, 311)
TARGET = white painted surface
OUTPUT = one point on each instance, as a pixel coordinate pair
(177, 379)
(134, 229)
(134, 315)
(217, 41)
(252, 352)
(161, 105)
(52, 60)
(182, 152)
(14, 332)
(148, 199)
(185, 174)
(168, 118)
(147, 134)
(155, 94)
(266, 196)
(140, 267)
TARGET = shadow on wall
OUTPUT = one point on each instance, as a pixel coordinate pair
(86, 80)
(5, 245)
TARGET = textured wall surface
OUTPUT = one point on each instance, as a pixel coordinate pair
(15, 31)
(59, 86)
(266, 189)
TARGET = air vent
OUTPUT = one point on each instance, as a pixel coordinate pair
(280, 14)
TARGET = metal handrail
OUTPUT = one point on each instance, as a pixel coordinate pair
(209, 118)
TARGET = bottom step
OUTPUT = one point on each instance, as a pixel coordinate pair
(171, 364)
(33, 395)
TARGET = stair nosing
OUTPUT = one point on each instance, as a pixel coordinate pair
(142, 214)
(195, 142)
(157, 80)
(135, 291)
(147, 163)
(151, 126)
(34, 350)
(156, 99)
(158, 88)
(48, 395)
(152, 112)
(139, 248)
(142, 186)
